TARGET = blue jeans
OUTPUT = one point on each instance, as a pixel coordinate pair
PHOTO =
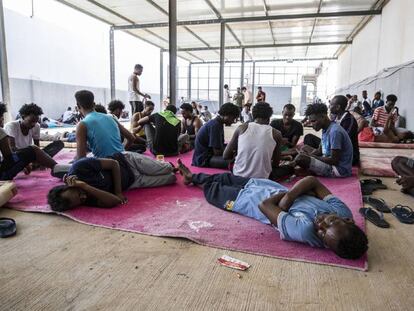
(220, 188)
(13, 165)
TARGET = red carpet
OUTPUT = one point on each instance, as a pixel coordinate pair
(181, 211)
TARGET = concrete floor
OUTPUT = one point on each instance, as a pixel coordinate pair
(57, 264)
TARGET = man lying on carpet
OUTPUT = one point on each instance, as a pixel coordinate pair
(333, 157)
(14, 162)
(100, 182)
(307, 213)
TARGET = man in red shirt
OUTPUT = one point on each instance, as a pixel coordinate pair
(261, 96)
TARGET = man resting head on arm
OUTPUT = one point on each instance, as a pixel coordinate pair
(307, 213)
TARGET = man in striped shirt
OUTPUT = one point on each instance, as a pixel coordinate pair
(381, 114)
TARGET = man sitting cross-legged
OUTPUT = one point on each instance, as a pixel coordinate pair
(162, 130)
(98, 131)
(255, 145)
(100, 182)
(333, 158)
(290, 129)
(15, 161)
(307, 213)
(209, 143)
(26, 132)
(190, 124)
(135, 144)
(136, 129)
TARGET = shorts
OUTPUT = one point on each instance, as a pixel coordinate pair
(323, 169)
(14, 164)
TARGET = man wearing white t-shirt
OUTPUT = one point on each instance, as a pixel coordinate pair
(134, 92)
(26, 131)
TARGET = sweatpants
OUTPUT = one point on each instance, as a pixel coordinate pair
(148, 172)
(220, 188)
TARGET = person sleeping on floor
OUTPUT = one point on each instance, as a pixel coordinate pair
(307, 213)
(99, 182)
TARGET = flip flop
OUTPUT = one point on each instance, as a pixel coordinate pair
(7, 227)
(378, 204)
(403, 213)
(370, 185)
(374, 217)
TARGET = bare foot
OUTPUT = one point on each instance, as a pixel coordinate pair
(184, 170)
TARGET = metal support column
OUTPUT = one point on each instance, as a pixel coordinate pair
(4, 73)
(161, 78)
(112, 62)
(189, 83)
(242, 68)
(172, 20)
(253, 77)
(222, 51)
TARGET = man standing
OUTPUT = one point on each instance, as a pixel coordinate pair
(377, 101)
(134, 90)
(238, 98)
(366, 104)
(226, 95)
(261, 96)
(248, 98)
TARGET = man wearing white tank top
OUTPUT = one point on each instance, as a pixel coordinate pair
(255, 145)
(134, 91)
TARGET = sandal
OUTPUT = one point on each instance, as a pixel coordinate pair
(370, 185)
(403, 213)
(7, 227)
(374, 217)
(378, 204)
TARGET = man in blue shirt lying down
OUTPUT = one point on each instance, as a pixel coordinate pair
(307, 213)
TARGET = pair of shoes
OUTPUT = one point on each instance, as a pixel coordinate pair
(368, 186)
(403, 213)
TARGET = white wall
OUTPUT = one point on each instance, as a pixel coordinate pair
(387, 40)
(66, 48)
(381, 58)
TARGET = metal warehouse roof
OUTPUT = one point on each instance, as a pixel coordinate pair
(266, 29)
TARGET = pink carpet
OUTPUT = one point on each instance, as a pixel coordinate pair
(181, 211)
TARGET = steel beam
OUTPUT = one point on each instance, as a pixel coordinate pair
(161, 78)
(222, 52)
(172, 18)
(4, 72)
(262, 46)
(313, 27)
(254, 19)
(189, 83)
(253, 78)
(270, 60)
(112, 62)
(242, 67)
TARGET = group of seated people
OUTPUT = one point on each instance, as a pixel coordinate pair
(307, 213)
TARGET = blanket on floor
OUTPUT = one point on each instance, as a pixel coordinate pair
(181, 211)
(366, 144)
(377, 162)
